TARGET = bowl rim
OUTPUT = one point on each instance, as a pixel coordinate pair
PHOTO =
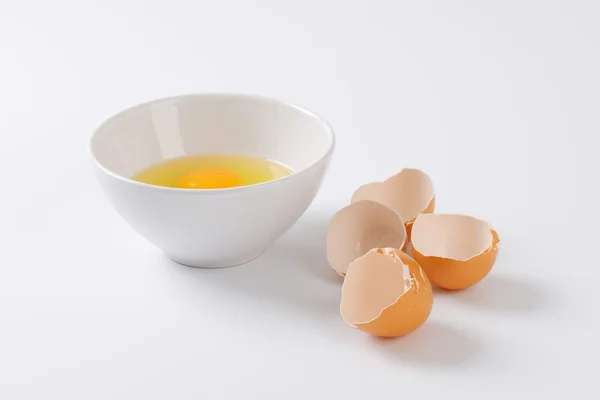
(322, 160)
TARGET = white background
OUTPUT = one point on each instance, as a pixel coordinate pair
(497, 100)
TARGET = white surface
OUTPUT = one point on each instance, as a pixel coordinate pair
(497, 101)
(212, 228)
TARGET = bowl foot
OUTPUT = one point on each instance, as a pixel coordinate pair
(214, 264)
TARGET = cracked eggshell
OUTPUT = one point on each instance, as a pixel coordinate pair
(455, 251)
(386, 293)
(360, 227)
(409, 193)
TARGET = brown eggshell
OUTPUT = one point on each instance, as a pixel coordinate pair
(409, 193)
(455, 251)
(360, 227)
(386, 294)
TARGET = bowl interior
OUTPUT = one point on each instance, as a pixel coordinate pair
(207, 124)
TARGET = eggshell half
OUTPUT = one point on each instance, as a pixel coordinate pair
(455, 251)
(409, 193)
(386, 293)
(360, 227)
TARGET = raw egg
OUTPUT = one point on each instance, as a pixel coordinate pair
(360, 227)
(386, 293)
(455, 251)
(409, 193)
(212, 171)
(209, 179)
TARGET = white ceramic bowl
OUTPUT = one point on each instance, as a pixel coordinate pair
(212, 227)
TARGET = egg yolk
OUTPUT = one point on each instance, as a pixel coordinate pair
(209, 179)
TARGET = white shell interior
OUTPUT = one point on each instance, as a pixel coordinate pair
(458, 237)
(360, 227)
(408, 193)
(211, 123)
(374, 282)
